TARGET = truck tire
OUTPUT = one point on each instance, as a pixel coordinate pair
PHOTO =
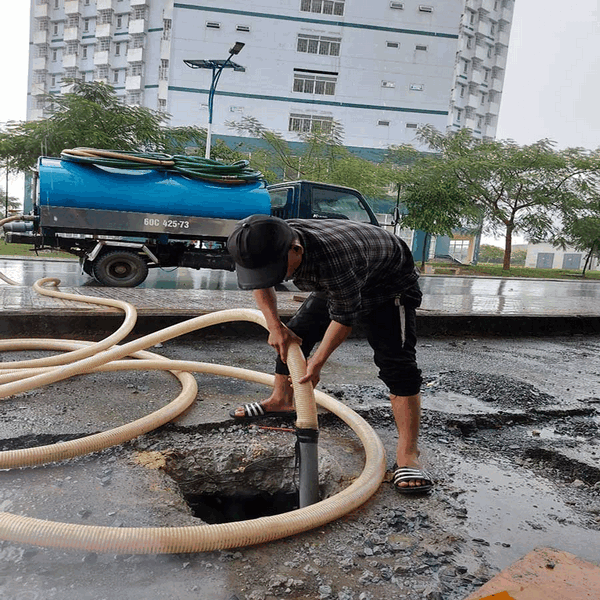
(120, 268)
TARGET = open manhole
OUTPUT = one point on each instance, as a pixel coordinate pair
(221, 508)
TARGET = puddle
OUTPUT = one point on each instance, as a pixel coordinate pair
(456, 404)
(508, 506)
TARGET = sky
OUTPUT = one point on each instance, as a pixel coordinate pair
(550, 89)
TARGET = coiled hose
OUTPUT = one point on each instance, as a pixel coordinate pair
(108, 356)
(190, 166)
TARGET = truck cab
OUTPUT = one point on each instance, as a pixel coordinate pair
(310, 200)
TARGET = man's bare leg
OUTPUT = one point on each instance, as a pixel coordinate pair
(280, 400)
(407, 414)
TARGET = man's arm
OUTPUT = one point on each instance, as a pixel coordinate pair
(280, 337)
(335, 334)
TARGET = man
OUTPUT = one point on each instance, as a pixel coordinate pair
(357, 273)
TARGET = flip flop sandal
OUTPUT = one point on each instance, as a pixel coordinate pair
(408, 474)
(254, 410)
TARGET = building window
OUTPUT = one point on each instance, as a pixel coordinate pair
(105, 17)
(133, 98)
(103, 44)
(119, 23)
(458, 115)
(319, 44)
(86, 25)
(73, 21)
(483, 98)
(40, 103)
(326, 7)
(55, 3)
(43, 25)
(163, 70)
(462, 90)
(135, 69)
(72, 47)
(139, 13)
(87, 2)
(71, 73)
(416, 87)
(40, 77)
(137, 40)
(116, 76)
(102, 72)
(54, 55)
(213, 25)
(52, 81)
(162, 105)
(465, 67)
(166, 34)
(42, 51)
(55, 29)
(383, 123)
(393, 44)
(310, 123)
(83, 51)
(243, 28)
(421, 48)
(425, 9)
(411, 125)
(314, 82)
(388, 84)
(397, 5)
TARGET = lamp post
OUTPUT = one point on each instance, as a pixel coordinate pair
(217, 67)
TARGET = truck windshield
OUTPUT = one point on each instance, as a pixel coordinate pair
(334, 204)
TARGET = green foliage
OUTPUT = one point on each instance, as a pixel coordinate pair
(517, 258)
(323, 158)
(490, 254)
(513, 188)
(91, 115)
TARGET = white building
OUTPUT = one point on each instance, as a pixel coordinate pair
(547, 256)
(379, 68)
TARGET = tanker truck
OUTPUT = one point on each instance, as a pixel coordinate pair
(122, 222)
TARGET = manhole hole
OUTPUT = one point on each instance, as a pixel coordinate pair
(215, 508)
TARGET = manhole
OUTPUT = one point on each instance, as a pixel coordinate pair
(215, 508)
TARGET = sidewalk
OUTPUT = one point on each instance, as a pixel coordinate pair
(451, 306)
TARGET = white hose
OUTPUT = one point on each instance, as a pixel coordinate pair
(109, 357)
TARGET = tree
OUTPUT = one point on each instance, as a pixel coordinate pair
(321, 157)
(514, 188)
(92, 115)
(490, 254)
(581, 230)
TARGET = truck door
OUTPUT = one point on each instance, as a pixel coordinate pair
(284, 203)
(342, 203)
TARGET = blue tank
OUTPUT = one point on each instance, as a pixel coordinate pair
(69, 184)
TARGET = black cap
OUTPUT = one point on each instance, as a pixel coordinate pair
(260, 245)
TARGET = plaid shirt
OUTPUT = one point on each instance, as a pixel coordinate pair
(357, 266)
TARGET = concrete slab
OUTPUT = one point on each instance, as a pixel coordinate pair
(544, 574)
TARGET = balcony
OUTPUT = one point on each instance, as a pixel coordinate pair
(507, 13)
(473, 100)
(477, 76)
(40, 37)
(40, 63)
(135, 55)
(101, 58)
(503, 37)
(40, 11)
(500, 60)
(496, 85)
(72, 7)
(487, 5)
(494, 108)
(38, 89)
(133, 83)
(71, 34)
(137, 26)
(104, 5)
(103, 30)
(70, 61)
(481, 52)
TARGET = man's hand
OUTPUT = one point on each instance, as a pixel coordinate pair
(313, 373)
(280, 338)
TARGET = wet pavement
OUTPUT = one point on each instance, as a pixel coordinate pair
(455, 305)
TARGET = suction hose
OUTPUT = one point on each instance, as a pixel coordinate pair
(170, 539)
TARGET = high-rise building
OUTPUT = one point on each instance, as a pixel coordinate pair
(380, 69)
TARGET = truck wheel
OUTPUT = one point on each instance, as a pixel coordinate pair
(120, 268)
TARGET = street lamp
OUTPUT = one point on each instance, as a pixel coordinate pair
(217, 67)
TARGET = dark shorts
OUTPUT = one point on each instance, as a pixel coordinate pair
(397, 361)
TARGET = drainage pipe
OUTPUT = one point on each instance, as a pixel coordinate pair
(183, 539)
